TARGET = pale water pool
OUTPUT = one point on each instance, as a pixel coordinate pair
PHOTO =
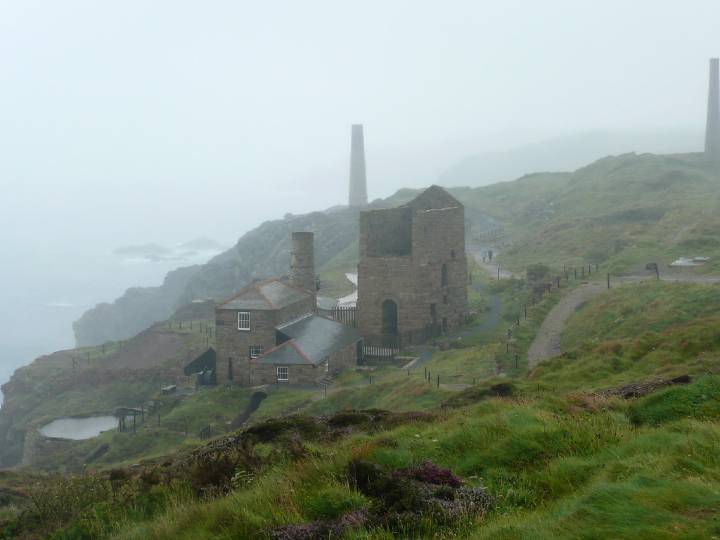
(79, 428)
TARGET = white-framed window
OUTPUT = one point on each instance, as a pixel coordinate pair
(282, 373)
(243, 320)
(327, 365)
(256, 351)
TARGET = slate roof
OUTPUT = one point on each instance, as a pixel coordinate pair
(311, 340)
(265, 295)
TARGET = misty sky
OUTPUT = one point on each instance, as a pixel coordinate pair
(136, 121)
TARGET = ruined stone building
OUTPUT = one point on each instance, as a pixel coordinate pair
(712, 133)
(412, 272)
(269, 332)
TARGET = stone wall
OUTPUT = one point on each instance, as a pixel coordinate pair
(376, 225)
(306, 374)
(346, 358)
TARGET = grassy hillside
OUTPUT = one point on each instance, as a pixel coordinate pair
(616, 438)
(639, 331)
(560, 452)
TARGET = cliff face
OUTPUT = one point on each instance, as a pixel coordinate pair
(133, 312)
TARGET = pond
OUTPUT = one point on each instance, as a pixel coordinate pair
(79, 428)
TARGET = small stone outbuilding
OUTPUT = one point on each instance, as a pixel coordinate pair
(309, 350)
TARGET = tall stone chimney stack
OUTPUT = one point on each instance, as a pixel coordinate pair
(712, 133)
(358, 180)
(302, 261)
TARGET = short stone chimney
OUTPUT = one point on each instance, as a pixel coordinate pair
(302, 261)
(712, 133)
(358, 179)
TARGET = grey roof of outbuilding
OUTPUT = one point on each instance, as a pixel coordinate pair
(312, 339)
(266, 295)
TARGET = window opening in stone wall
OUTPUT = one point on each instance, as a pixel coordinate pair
(243, 320)
(433, 313)
(282, 373)
(230, 369)
(256, 351)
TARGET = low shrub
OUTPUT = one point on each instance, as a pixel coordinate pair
(331, 502)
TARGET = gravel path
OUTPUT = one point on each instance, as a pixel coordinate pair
(547, 342)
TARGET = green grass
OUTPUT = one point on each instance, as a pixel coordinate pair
(630, 310)
(700, 399)
(637, 332)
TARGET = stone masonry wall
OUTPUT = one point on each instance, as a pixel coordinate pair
(346, 358)
(297, 374)
(375, 226)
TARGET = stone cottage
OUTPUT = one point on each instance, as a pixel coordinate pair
(412, 271)
(270, 331)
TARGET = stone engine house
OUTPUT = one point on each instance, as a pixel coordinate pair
(270, 333)
(412, 271)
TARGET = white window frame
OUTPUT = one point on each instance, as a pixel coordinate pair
(256, 351)
(280, 371)
(243, 321)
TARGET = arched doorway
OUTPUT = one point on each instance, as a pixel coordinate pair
(389, 318)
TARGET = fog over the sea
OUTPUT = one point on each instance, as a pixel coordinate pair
(138, 124)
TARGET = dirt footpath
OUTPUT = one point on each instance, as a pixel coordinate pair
(547, 342)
